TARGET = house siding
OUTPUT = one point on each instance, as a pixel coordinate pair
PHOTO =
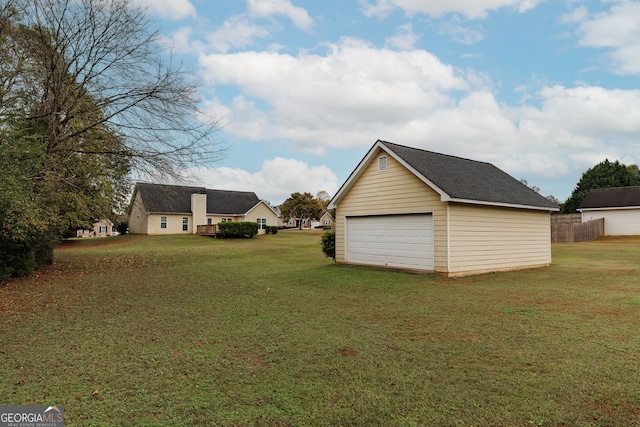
(262, 211)
(396, 191)
(485, 238)
(174, 224)
(217, 219)
(138, 218)
(617, 222)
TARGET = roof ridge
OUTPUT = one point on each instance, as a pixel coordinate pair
(435, 153)
(200, 187)
(615, 188)
(170, 185)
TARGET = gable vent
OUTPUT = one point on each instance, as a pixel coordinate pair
(382, 164)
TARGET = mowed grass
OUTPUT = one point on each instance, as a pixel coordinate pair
(186, 330)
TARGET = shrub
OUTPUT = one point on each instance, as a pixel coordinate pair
(19, 259)
(238, 229)
(122, 228)
(329, 244)
(273, 228)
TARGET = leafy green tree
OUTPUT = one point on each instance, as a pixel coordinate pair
(301, 206)
(603, 175)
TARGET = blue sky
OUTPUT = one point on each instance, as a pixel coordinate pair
(542, 89)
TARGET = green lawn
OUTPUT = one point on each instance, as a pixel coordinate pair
(186, 330)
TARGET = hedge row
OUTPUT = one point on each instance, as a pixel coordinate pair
(238, 229)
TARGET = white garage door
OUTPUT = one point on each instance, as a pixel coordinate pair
(402, 241)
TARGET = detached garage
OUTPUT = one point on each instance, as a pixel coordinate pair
(620, 208)
(413, 209)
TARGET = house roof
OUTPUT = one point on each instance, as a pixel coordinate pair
(456, 179)
(161, 198)
(620, 197)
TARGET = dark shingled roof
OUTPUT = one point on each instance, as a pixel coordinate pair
(160, 198)
(611, 198)
(469, 179)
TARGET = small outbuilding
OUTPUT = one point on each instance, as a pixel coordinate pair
(413, 209)
(620, 208)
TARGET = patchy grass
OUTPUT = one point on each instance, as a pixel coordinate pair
(185, 330)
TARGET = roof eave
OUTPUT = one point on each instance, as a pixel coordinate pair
(504, 205)
(608, 208)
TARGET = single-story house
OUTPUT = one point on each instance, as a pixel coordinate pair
(101, 228)
(620, 208)
(174, 209)
(326, 220)
(413, 209)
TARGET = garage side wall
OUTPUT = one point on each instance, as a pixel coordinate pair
(485, 238)
(395, 191)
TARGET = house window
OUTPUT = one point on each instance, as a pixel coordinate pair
(326, 222)
(227, 220)
(262, 223)
(163, 222)
(208, 221)
(103, 229)
(185, 223)
(382, 164)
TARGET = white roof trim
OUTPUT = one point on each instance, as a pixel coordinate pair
(256, 205)
(504, 205)
(609, 208)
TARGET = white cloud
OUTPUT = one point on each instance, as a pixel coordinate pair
(170, 9)
(577, 15)
(459, 32)
(619, 31)
(268, 8)
(472, 9)
(316, 101)
(236, 32)
(405, 38)
(275, 181)
(355, 94)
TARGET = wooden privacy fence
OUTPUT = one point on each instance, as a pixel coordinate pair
(570, 228)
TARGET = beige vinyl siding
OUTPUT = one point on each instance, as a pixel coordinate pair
(263, 211)
(485, 238)
(395, 191)
(138, 217)
(217, 219)
(174, 224)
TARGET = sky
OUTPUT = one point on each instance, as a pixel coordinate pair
(302, 89)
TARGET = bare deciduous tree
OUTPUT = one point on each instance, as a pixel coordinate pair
(107, 52)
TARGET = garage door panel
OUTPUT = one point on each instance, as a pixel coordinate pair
(404, 241)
